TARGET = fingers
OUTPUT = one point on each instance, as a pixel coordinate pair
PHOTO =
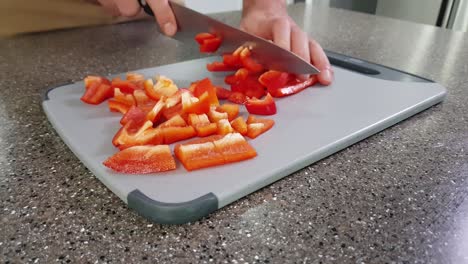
(300, 45)
(320, 60)
(164, 16)
(128, 8)
(282, 33)
(110, 7)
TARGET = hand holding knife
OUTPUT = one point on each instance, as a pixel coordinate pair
(265, 18)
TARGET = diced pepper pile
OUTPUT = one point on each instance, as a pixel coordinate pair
(250, 81)
(156, 113)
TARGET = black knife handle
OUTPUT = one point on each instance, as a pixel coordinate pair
(146, 7)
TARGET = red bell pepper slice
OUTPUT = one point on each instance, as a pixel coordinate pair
(232, 60)
(230, 79)
(135, 77)
(213, 151)
(198, 155)
(258, 126)
(274, 79)
(134, 114)
(170, 112)
(88, 80)
(234, 148)
(266, 106)
(292, 88)
(218, 66)
(126, 99)
(97, 93)
(241, 74)
(175, 121)
(142, 160)
(237, 98)
(210, 45)
(174, 134)
(222, 93)
(203, 86)
(251, 65)
(224, 127)
(199, 106)
(239, 125)
(232, 110)
(134, 134)
(115, 106)
(124, 85)
(215, 115)
(201, 37)
(252, 87)
(206, 130)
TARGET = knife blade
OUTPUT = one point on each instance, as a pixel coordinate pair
(190, 23)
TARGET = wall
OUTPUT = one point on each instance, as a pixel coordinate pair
(421, 11)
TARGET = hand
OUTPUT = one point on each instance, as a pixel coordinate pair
(131, 8)
(270, 20)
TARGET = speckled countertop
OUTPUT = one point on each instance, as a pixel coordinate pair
(399, 196)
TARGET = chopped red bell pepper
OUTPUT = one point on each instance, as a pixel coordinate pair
(135, 77)
(292, 88)
(218, 66)
(126, 99)
(252, 87)
(142, 100)
(142, 160)
(155, 113)
(198, 155)
(232, 60)
(274, 79)
(222, 93)
(163, 87)
(194, 105)
(135, 114)
(224, 127)
(203, 86)
(97, 93)
(124, 85)
(258, 126)
(234, 148)
(174, 134)
(241, 74)
(214, 151)
(115, 106)
(134, 134)
(170, 112)
(251, 65)
(206, 130)
(175, 121)
(201, 37)
(232, 110)
(215, 115)
(210, 45)
(237, 98)
(88, 80)
(239, 125)
(230, 79)
(266, 106)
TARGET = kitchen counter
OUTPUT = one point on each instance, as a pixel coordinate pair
(398, 196)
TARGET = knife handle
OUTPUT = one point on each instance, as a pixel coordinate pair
(146, 7)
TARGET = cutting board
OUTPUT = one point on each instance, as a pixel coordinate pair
(364, 99)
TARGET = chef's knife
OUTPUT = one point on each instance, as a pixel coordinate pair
(272, 56)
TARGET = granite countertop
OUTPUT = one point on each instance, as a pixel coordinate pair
(399, 196)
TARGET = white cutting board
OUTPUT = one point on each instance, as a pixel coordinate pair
(309, 126)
